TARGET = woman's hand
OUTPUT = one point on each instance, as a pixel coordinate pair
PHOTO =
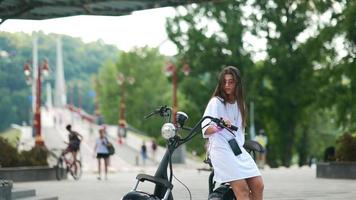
(226, 122)
(213, 128)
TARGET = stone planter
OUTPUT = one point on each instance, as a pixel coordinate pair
(21, 174)
(5, 189)
(338, 170)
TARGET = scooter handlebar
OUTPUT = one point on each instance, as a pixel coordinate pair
(160, 181)
(161, 111)
(193, 131)
(220, 122)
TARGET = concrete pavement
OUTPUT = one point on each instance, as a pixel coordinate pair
(286, 184)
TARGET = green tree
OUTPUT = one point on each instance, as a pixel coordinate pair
(207, 51)
(15, 101)
(283, 86)
(290, 69)
(80, 60)
(150, 89)
(338, 71)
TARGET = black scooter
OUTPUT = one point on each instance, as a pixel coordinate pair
(163, 183)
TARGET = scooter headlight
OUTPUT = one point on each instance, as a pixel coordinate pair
(168, 130)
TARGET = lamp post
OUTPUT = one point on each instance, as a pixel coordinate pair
(37, 115)
(79, 89)
(71, 93)
(98, 85)
(171, 70)
(122, 80)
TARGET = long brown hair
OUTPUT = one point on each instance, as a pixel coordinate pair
(239, 92)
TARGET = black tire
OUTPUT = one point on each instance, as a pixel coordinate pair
(60, 171)
(223, 192)
(138, 195)
(76, 170)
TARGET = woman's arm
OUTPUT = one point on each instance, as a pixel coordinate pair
(95, 146)
(211, 130)
(79, 135)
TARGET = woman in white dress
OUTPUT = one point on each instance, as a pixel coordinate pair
(239, 170)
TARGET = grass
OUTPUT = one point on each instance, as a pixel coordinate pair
(11, 135)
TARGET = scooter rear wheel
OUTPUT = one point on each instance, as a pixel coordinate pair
(138, 195)
(223, 192)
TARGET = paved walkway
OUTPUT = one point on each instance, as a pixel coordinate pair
(286, 184)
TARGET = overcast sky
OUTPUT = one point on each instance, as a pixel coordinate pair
(138, 29)
(141, 28)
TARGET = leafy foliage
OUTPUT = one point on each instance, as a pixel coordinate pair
(80, 60)
(149, 90)
(9, 157)
(293, 89)
(37, 156)
(346, 148)
(8, 154)
(289, 68)
(300, 63)
(206, 52)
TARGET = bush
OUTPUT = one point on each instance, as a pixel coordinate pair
(346, 148)
(9, 157)
(8, 154)
(37, 156)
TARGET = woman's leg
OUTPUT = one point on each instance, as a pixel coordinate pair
(74, 154)
(256, 185)
(241, 189)
(106, 162)
(99, 169)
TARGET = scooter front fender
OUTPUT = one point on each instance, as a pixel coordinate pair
(138, 195)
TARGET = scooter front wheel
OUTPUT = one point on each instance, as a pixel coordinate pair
(138, 195)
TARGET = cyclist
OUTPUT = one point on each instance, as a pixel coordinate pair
(74, 143)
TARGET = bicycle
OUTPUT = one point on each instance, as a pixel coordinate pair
(65, 165)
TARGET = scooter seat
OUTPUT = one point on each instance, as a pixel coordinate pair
(251, 145)
(139, 195)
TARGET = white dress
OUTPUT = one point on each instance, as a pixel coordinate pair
(227, 166)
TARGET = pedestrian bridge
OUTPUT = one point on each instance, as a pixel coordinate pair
(127, 156)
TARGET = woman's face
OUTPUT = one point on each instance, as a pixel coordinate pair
(229, 85)
(101, 134)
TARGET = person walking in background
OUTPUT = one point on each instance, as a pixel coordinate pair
(231, 162)
(153, 149)
(103, 128)
(261, 138)
(102, 152)
(143, 153)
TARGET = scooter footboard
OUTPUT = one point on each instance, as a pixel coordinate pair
(160, 181)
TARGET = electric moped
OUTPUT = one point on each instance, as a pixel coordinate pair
(163, 183)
